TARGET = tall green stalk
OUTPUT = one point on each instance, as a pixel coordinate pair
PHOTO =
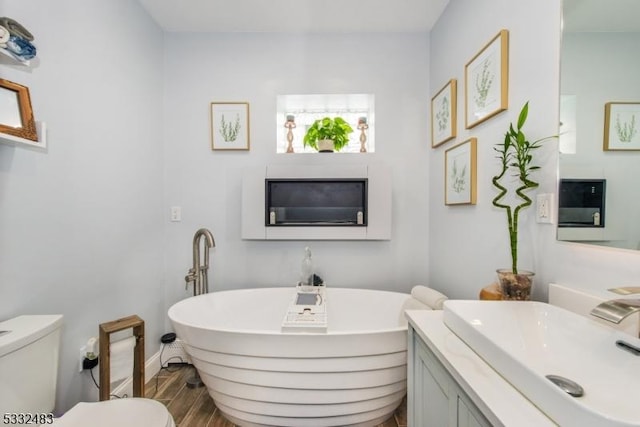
(515, 153)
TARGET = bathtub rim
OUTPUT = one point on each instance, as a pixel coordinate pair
(329, 332)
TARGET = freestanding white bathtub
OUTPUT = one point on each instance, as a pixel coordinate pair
(352, 375)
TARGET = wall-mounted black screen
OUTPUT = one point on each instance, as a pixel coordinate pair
(313, 202)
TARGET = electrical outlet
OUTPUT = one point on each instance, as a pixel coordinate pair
(83, 355)
(86, 361)
(176, 213)
(544, 208)
(90, 363)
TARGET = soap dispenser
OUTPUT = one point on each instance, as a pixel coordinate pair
(306, 270)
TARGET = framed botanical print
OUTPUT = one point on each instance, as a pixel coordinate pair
(621, 125)
(486, 81)
(443, 114)
(460, 173)
(230, 126)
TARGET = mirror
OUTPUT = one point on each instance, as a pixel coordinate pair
(16, 115)
(599, 194)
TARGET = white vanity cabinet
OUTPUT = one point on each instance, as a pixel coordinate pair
(436, 399)
(449, 385)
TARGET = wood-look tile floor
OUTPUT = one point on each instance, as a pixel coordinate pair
(193, 407)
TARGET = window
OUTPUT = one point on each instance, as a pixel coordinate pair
(306, 109)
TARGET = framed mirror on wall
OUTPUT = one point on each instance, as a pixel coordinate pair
(16, 114)
(598, 70)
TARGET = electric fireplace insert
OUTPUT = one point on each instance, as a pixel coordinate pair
(316, 202)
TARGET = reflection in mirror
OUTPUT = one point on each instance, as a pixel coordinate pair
(600, 65)
(16, 115)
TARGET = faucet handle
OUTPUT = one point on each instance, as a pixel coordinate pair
(190, 277)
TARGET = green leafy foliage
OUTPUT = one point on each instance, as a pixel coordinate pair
(229, 131)
(484, 80)
(516, 155)
(626, 130)
(336, 129)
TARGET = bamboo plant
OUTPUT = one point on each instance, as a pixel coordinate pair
(516, 155)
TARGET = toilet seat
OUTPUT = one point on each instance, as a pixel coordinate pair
(127, 412)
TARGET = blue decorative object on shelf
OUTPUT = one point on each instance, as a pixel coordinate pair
(21, 48)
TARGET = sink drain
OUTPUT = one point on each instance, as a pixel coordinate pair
(570, 387)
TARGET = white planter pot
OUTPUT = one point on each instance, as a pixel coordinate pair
(325, 145)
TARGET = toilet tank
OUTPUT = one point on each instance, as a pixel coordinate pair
(29, 351)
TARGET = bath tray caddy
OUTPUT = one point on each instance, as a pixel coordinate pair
(307, 311)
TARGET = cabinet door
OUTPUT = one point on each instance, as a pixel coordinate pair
(431, 390)
(435, 398)
(467, 413)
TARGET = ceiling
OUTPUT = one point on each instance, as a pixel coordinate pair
(358, 16)
(294, 16)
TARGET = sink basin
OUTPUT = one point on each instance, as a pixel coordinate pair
(524, 341)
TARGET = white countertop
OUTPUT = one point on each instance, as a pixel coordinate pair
(499, 401)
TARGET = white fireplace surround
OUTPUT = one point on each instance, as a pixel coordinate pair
(378, 211)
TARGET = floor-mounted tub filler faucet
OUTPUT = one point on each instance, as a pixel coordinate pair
(198, 274)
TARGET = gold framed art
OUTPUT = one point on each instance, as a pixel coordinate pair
(16, 114)
(229, 126)
(621, 126)
(460, 164)
(443, 114)
(486, 81)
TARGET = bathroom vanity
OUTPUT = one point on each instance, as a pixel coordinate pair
(450, 385)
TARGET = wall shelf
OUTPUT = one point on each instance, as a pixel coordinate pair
(7, 58)
(15, 140)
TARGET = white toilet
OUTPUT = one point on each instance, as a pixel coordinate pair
(29, 351)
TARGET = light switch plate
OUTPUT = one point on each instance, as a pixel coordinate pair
(544, 208)
(176, 213)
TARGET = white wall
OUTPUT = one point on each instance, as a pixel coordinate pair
(468, 243)
(81, 223)
(255, 68)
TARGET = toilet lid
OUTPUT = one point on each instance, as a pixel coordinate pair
(127, 412)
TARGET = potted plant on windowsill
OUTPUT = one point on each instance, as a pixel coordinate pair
(516, 155)
(328, 134)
